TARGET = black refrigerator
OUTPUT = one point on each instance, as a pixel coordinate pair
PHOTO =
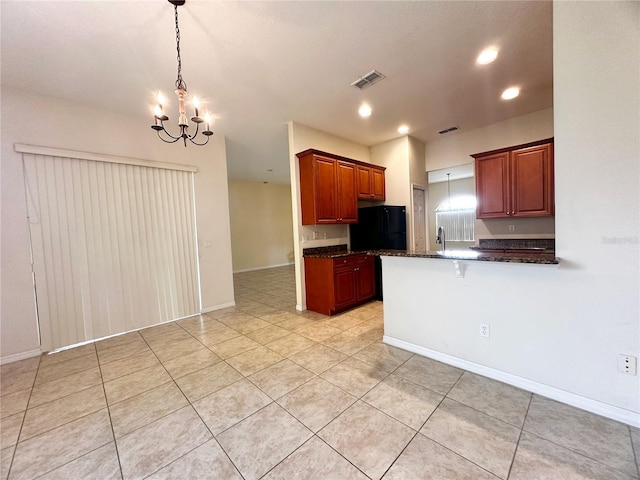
(380, 228)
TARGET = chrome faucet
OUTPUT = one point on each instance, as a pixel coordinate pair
(441, 239)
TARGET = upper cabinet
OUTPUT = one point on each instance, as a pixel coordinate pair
(330, 187)
(515, 181)
(370, 182)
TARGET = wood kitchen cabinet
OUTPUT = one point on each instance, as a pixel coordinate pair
(370, 182)
(515, 181)
(337, 284)
(327, 189)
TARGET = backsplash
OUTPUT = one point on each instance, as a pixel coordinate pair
(495, 243)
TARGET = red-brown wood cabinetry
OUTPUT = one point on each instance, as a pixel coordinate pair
(370, 182)
(515, 182)
(337, 284)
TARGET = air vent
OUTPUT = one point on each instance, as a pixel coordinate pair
(447, 130)
(369, 79)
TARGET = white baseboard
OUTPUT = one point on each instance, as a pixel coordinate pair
(615, 413)
(263, 268)
(301, 308)
(19, 356)
(218, 307)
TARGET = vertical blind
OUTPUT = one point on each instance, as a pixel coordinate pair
(113, 246)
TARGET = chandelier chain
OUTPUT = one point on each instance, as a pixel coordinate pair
(180, 84)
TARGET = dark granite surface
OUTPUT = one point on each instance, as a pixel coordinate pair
(336, 251)
(546, 245)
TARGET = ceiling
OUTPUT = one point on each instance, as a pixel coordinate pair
(259, 65)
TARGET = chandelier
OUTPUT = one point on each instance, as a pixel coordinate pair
(181, 92)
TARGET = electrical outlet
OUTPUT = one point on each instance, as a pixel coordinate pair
(512, 228)
(484, 330)
(627, 364)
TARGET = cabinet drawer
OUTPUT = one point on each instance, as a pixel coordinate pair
(341, 263)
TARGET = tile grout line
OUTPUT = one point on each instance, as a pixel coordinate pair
(515, 452)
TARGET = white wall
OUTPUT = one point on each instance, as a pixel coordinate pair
(560, 330)
(31, 119)
(261, 225)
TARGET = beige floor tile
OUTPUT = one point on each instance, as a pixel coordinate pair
(281, 378)
(538, 459)
(424, 459)
(47, 392)
(218, 336)
(14, 382)
(290, 345)
(167, 338)
(262, 310)
(50, 415)
(343, 322)
(64, 355)
(263, 440)
(293, 322)
(354, 376)
(233, 347)
(228, 406)
(250, 325)
(635, 440)
(254, 360)
(59, 446)
(367, 329)
(6, 457)
(147, 407)
(200, 324)
(10, 429)
(185, 364)
(367, 438)
(117, 341)
(119, 368)
(312, 315)
(223, 312)
(207, 380)
(347, 344)
(161, 329)
(315, 460)
(207, 461)
(69, 367)
(429, 373)
(101, 463)
(483, 440)
(177, 349)
(317, 332)
(384, 357)
(316, 403)
(235, 318)
(13, 403)
(125, 387)
(278, 317)
(403, 400)
(318, 358)
(21, 366)
(497, 399)
(119, 352)
(268, 334)
(599, 438)
(148, 449)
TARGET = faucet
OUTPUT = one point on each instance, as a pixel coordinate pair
(441, 239)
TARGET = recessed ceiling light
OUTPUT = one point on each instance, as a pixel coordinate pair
(510, 93)
(488, 55)
(365, 111)
(403, 129)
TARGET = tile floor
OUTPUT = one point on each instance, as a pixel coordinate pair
(263, 391)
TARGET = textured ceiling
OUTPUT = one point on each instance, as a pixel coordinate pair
(259, 65)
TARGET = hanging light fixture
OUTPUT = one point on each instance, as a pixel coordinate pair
(181, 92)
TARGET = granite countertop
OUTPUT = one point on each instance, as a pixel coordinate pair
(337, 251)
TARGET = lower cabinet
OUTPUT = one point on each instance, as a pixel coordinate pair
(337, 284)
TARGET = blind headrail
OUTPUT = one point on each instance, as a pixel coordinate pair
(98, 157)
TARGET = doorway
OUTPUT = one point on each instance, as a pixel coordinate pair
(418, 198)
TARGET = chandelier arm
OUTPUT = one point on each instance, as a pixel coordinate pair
(174, 139)
(199, 144)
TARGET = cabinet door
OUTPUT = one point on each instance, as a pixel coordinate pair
(347, 198)
(344, 282)
(326, 203)
(492, 186)
(377, 183)
(532, 180)
(366, 279)
(364, 182)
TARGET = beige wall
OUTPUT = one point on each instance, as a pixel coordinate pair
(43, 121)
(261, 225)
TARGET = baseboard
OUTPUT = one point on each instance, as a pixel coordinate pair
(263, 268)
(301, 308)
(218, 307)
(19, 356)
(615, 413)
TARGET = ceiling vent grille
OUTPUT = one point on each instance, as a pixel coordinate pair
(447, 130)
(369, 79)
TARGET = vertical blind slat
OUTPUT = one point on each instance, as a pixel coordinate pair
(114, 247)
